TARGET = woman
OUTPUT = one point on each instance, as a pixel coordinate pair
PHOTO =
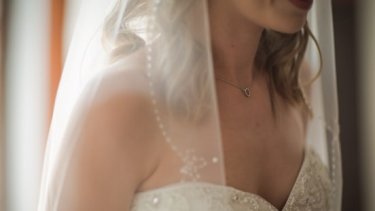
(194, 105)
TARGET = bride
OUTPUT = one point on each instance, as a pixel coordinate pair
(196, 105)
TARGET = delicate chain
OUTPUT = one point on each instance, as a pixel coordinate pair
(230, 83)
(245, 90)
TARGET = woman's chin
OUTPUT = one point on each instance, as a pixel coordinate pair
(289, 28)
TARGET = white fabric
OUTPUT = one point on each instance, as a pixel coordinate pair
(310, 192)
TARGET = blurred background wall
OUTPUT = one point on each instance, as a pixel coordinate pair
(2, 137)
(366, 70)
(346, 34)
(26, 99)
(34, 39)
(355, 57)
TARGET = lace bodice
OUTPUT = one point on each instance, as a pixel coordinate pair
(311, 191)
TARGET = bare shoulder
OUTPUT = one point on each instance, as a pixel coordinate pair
(122, 121)
(117, 146)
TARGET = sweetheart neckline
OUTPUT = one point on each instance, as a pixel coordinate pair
(232, 188)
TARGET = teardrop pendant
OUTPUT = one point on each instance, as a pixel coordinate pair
(246, 92)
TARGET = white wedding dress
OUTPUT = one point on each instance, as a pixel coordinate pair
(311, 191)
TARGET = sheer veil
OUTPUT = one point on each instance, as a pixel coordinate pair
(144, 71)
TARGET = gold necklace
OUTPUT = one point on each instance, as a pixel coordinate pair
(245, 90)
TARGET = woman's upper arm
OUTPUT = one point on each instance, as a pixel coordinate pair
(115, 152)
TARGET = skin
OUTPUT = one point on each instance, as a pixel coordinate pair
(263, 153)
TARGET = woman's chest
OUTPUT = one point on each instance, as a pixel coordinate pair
(263, 152)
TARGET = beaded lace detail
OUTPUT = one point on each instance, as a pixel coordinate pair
(311, 191)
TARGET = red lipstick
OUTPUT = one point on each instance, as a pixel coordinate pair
(302, 4)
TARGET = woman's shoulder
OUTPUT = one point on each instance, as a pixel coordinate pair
(119, 129)
(122, 96)
(120, 113)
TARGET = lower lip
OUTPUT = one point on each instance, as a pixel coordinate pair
(302, 4)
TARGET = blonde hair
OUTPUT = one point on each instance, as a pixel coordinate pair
(279, 55)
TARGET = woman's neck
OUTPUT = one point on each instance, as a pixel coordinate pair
(234, 41)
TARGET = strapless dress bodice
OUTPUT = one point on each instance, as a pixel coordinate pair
(311, 191)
